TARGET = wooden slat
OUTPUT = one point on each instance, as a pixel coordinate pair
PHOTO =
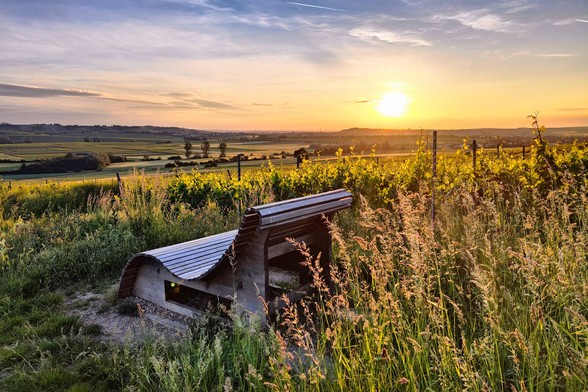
(294, 219)
(194, 243)
(197, 264)
(288, 205)
(196, 254)
(282, 238)
(286, 247)
(280, 232)
(303, 211)
(247, 230)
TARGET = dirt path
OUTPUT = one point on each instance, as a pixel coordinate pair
(130, 319)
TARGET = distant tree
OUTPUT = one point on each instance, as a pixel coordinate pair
(188, 147)
(87, 139)
(205, 146)
(223, 149)
(27, 140)
(301, 154)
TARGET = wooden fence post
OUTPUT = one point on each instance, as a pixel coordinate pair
(523, 152)
(239, 167)
(498, 150)
(120, 186)
(474, 152)
(434, 174)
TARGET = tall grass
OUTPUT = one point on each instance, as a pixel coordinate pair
(491, 296)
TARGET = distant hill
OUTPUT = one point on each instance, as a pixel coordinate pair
(56, 133)
(482, 132)
(64, 129)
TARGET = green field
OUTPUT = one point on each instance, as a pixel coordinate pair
(129, 169)
(135, 149)
(34, 142)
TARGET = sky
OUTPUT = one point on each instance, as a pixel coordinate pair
(294, 65)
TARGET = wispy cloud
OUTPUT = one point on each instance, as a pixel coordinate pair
(573, 109)
(557, 55)
(213, 104)
(561, 22)
(183, 100)
(191, 101)
(527, 53)
(582, 20)
(315, 6)
(393, 37)
(481, 20)
(142, 102)
(180, 95)
(515, 6)
(201, 3)
(21, 91)
(13, 90)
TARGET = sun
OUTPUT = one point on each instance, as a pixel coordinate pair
(393, 104)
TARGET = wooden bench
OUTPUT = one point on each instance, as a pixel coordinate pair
(238, 267)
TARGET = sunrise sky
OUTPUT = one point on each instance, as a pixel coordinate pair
(294, 65)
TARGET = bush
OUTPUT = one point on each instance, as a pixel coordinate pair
(70, 162)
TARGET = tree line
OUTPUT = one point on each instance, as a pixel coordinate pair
(205, 147)
(70, 162)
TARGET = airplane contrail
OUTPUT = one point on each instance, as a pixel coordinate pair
(314, 6)
(582, 20)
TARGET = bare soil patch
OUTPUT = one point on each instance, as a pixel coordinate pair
(130, 319)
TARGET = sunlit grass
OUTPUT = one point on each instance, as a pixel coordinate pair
(492, 296)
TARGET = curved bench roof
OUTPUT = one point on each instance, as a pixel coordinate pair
(197, 258)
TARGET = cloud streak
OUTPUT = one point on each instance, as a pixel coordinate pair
(213, 104)
(481, 20)
(200, 3)
(186, 100)
(573, 109)
(14, 90)
(191, 101)
(391, 37)
(315, 6)
(545, 55)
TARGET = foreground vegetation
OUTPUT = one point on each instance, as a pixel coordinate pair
(492, 295)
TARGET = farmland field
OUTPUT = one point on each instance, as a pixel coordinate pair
(138, 143)
(135, 147)
(491, 295)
